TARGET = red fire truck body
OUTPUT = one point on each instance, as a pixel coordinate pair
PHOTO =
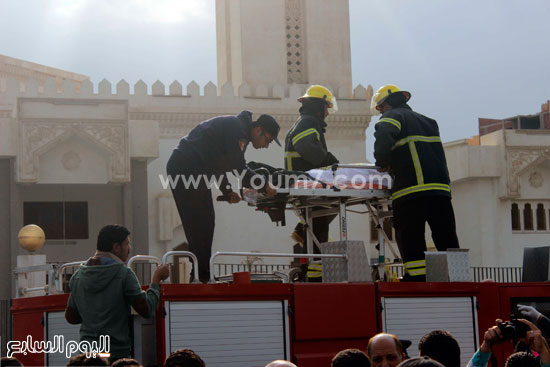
(308, 323)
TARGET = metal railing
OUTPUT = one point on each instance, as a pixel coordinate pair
(500, 275)
(268, 254)
(60, 285)
(49, 270)
(144, 271)
(252, 268)
(396, 269)
(480, 273)
(61, 282)
(188, 254)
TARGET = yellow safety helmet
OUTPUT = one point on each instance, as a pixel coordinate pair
(383, 93)
(318, 91)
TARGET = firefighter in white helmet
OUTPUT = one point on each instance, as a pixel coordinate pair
(305, 149)
(408, 146)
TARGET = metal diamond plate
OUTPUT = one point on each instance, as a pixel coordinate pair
(356, 269)
(452, 265)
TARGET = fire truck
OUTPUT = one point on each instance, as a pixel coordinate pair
(253, 323)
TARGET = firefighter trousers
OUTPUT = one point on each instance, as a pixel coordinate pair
(320, 229)
(409, 221)
(195, 208)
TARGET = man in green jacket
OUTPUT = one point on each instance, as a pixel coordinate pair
(103, 290)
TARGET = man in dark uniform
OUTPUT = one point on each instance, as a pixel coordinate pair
(214, 147)
(408, 146)
(305, 149)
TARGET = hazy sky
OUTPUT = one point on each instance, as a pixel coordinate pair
(461, 59)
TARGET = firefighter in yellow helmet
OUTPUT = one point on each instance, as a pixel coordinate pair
(407, 144)
(305, 149)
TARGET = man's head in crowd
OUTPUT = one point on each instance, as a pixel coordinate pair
(441, 346)
(115, 239)
(522, 359)
(126, 362)
(10, 361)
(350, 358)
(82, 360)
(184, 358)
(420, 362)
(385, 350)
(280, 363)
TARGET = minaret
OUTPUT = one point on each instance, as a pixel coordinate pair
(283, 42)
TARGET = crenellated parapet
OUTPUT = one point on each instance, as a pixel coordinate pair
(48, 123)
(178, 109)
(12, 87)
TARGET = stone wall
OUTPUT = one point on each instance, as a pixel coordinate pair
(508, 170)
(152, 120)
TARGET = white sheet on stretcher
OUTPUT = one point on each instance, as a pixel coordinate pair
(347, 178)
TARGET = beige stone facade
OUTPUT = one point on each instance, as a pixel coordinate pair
(284, 42)
(63, 139)
(23, 70)
(90, 138)
(501, 194)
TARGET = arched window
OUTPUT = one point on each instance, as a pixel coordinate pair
(541, 218)
(515, 218)
(527, 217)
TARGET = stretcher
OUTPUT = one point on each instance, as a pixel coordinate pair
(335, 192)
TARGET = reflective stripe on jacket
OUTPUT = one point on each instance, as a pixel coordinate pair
(305, 145)
(410, 144)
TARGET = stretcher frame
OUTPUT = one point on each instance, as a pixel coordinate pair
(336, 201)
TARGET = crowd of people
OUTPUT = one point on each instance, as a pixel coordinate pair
(437, 348)
(179, 358)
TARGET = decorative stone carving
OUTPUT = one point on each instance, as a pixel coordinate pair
(40, 137)
(518, 160)
(296, 67)
(34, 137)
(115, 138)
(70, 160)
(177, 125)
(535, 179)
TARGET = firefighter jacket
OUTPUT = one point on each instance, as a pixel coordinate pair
(305, 145)
(410, 144)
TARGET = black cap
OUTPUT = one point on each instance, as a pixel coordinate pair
(268, 124)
